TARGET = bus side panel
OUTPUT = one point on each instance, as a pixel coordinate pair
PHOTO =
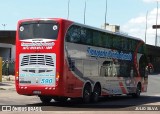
(85, 62)
(140, 63)
(72, 86)
(18, 49)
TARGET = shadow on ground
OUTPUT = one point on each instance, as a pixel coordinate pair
(105, 103)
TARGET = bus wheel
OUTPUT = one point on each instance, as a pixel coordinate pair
(138, 91)
(87, 93)
(96, 93)
(45, 99)
(60, 99)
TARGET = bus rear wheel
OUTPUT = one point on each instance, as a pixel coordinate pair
(45, 99)
(96, 93)
(138, 92)
(87, 93)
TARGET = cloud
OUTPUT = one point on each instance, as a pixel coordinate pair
(149, 1)
(137, 20)
(137, 27)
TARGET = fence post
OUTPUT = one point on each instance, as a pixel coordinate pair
(0, 69)
(7, 67)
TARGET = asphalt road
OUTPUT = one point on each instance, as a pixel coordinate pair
(154, 85)
(117, 103)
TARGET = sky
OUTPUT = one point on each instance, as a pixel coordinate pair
(130, 15)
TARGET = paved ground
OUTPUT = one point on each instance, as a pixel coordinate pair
(7, 83)
(152, 97)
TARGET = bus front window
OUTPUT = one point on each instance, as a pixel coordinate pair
(38, 30)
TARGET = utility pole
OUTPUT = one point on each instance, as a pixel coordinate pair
(84, 11)
(68, 9)
(105, 15)
(4, 25)
(156, 25)
(146, 26)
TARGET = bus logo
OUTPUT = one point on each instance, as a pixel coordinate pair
(109, 54)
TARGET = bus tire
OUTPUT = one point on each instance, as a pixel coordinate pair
(138, 91)
(96, 93)
(45, 99)
(87, 91)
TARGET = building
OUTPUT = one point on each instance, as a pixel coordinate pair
(113, 28)
(7, 44)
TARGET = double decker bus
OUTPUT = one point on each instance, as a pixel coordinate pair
(60, 59)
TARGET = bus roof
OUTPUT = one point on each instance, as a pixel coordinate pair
(107, 31)
(87, 26)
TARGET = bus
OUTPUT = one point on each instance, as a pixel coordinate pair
(60, 59)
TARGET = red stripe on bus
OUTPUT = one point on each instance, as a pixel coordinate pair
(122, 88)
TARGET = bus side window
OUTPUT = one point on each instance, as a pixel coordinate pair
(134, 44)
(83, 35)
(118, 42)
(105, 70)
(124, 43)
(115, 42)
(107, 40)
(86, 36)
(142, 49)
(110, 39)
(129, 45)
(73, 34)
(96, 38)
(67, 39)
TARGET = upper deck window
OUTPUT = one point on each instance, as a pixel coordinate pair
(38, 29)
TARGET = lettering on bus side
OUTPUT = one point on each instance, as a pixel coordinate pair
(109, 54)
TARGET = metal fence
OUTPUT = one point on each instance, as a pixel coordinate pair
(8, 67)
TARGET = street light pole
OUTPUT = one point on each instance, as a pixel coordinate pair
(146, 26)
(68, 9)
(156, 25)
(105, 15)
(4, 25)
(84, 11)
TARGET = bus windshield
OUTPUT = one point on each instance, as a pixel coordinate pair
(36, 30)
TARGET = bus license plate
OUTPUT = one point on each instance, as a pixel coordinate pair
(36, 92)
